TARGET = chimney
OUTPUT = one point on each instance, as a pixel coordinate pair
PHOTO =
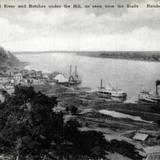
(157, 84)
(157, 90)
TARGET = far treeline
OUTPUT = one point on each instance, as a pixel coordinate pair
(134, 55)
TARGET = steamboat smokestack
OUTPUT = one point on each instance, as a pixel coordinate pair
(76, 71)
(157, 84)
(101, 84)
(70, 70)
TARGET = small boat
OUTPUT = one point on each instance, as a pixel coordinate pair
(148, 97)
(111, 92)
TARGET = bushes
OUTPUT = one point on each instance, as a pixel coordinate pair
(73, 110)
(125, 149)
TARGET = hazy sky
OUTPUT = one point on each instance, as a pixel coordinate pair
(80, 29)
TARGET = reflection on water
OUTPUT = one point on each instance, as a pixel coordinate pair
(131, 76)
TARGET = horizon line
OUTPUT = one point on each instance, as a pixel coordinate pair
(86, 51)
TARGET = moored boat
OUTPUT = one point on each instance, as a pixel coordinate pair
(111, 92)
(116, 92)
(148, 97)
(102, 92)
(74, 79)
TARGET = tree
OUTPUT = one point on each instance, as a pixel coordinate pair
(89, 143)
(125, 149)
(29, 121)
(74, 110)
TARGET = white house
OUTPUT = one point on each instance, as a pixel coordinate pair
(37, 82)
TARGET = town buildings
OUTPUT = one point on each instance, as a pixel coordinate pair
(28, 78)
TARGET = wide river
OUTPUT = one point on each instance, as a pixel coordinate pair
(131, 76)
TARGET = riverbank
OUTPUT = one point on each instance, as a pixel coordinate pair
(90, 100)
(91, 70)
(150, 56)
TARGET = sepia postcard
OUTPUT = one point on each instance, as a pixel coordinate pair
(79, 79)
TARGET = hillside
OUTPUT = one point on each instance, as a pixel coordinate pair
(8, 61)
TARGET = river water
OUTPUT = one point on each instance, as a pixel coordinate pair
(131, 76)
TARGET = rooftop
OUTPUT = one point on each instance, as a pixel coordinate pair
(152, 149)
(140, 136)
(153, 156)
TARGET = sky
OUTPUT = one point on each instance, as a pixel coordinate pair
(81, 29)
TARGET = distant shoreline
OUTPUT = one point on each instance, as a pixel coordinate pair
(121, 58)
(126, 55)
(150, 56)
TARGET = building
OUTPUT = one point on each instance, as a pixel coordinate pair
(39, 74)
(5, 78)
(22, 82)
(53, 75)
(140, 136)
(37, 81)
(153, 153)
(24, 72)
(18, 77)
(32, 74)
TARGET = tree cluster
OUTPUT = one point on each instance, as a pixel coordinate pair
(29, 129)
